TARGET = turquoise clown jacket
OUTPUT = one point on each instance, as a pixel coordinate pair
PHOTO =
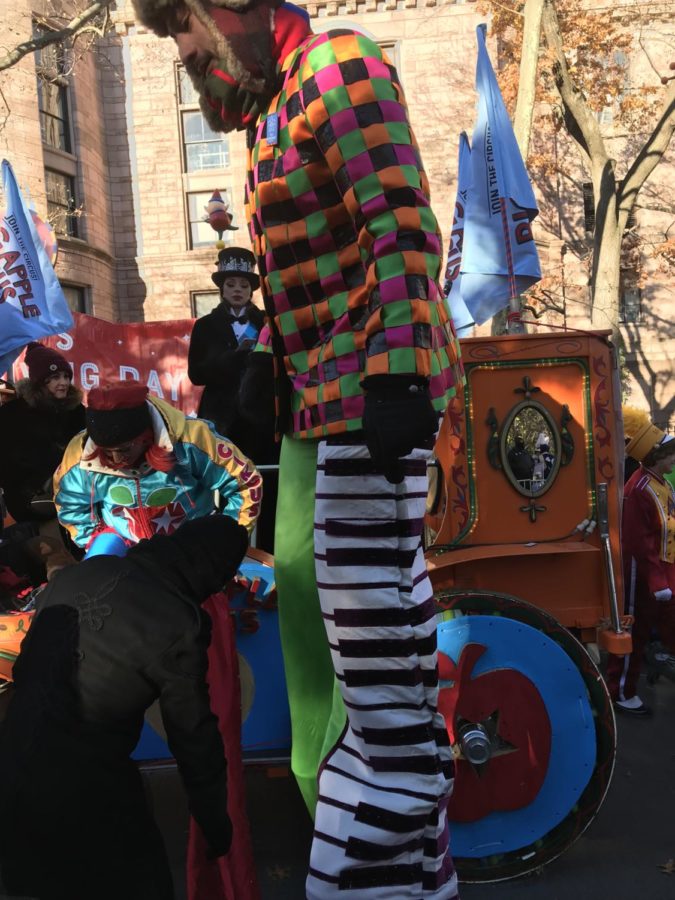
(138, 503)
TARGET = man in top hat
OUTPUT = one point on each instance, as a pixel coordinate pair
(219, 355)
(365, 355)
(648, 545)
(222, 340)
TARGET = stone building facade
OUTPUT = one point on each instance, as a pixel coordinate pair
(115, 152)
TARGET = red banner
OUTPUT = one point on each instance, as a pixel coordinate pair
(153, 353)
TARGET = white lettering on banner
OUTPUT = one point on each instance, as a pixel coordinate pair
(175, 381)
(154, 380)
(64, 342)
(154, 385)
(86, 380)
(101, 353)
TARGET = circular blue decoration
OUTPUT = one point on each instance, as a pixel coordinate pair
(514, 645)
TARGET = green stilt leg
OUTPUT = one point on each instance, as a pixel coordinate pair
(318, 714)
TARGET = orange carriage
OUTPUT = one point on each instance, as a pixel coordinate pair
(524, 558)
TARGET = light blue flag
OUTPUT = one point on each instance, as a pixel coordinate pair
(32, 304)
(452, 287)
(500, 258)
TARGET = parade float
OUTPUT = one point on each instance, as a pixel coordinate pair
(528, 585)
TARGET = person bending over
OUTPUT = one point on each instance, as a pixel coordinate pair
(110, 636)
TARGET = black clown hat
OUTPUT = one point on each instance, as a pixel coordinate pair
(236, 261)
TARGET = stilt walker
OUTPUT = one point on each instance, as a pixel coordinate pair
(365, 360)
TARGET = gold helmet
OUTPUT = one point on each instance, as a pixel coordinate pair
(643, 436)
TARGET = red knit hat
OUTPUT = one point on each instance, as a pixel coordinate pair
(43, 362)
(117, 413)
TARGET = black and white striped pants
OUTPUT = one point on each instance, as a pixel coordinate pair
(381, 820)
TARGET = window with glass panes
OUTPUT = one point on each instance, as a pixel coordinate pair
(61, 204)
(201, 233)
(203, 149)
(630, 309)
(53, 95)
(76, 297)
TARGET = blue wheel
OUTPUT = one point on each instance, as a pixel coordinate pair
(533, 729)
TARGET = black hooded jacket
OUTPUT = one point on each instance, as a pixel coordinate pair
(110, 636)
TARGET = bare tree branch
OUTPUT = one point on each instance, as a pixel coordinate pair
(7, 111)
(649, 156)
(579, 119)
(527, 83)
(72, 29)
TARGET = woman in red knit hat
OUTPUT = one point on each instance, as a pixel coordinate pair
(36, 429)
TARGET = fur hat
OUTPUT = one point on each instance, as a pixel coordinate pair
(43, 362)
(236, 261)
(643, 435)
(153, 13)
(117, 413)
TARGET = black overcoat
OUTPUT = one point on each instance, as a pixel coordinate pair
(216, 361)
(110, 636)
(34, 432)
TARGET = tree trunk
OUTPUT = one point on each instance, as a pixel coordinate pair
(527, 82)
(606, 271)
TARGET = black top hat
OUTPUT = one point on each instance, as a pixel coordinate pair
(236, 261)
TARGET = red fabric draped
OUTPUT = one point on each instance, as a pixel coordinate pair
(231, 877)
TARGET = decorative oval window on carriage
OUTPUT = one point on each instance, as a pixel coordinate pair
(529, 447)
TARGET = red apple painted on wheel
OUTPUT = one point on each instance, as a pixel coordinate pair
(513, 776)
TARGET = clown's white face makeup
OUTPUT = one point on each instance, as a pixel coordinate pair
(236, 292)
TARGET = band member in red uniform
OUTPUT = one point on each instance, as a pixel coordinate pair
(648, 544)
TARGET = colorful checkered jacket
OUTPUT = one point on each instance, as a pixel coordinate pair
(349, 250)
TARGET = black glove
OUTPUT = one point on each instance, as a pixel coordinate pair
(225, 842)
(398, 416)
(256, 391)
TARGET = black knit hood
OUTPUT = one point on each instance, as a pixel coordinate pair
(198, 559)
